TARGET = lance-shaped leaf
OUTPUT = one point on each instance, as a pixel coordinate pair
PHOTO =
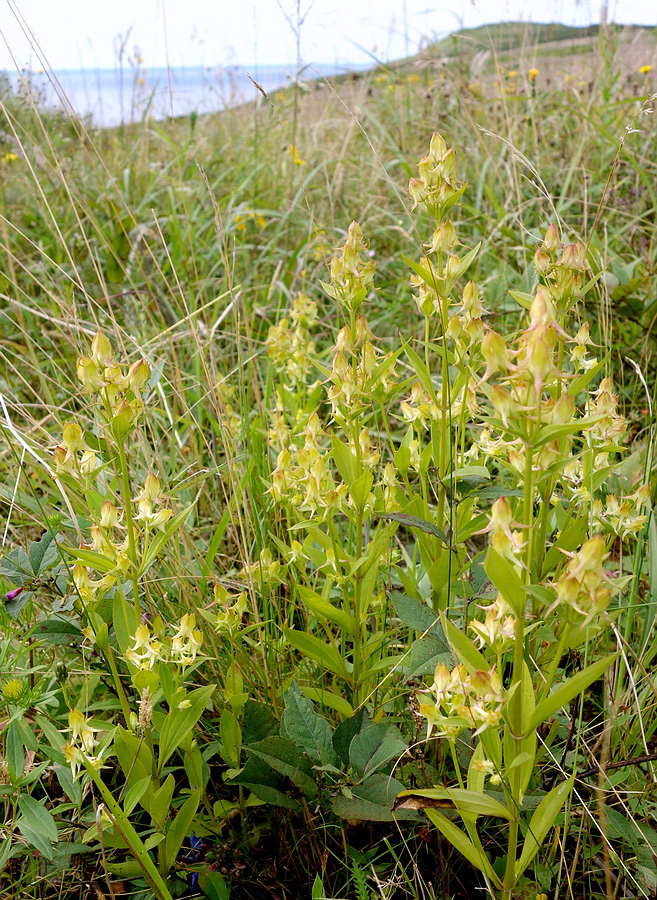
(568, 691)
(465, 802)
(463, 648)
(464, 845)
(506, 580)
(542, 820)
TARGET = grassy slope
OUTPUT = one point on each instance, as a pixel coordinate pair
(154, 232)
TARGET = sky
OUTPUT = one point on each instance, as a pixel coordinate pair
(90, 34)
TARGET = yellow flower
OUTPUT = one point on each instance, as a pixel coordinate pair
(512, 73)
(12, 689)
(645, 69)
(240, 224)
(9, 157)
(261, 221)
(294, 153)
(532, 74)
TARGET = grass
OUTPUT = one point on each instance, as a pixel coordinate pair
(186, 242)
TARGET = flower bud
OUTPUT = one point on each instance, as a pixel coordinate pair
(551, 241)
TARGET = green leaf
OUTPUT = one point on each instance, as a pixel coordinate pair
(161, 539)
(522, 298)
(426, 653)
(345, 461)
(58, 631)
(572, 688)
(308, 730)
(38, 817)
(415, 522)
(284, 757)
(265, 783)
(15, 752)
(43, 553)
(35, 838)
(360, 489)
(181, 827)
(542, 821)
(375, 746)
(463, 844)
(347, 730)
(324, 654)
(506, 580)
(259, 722)
(96, 561)
(372, 801)
(135, 793)
(328, 698)
(160, 802)
(467, 803)
(213, 885)
(323, 609)
(318, 892)
(463, 648)
(179, 722)
(417, 615)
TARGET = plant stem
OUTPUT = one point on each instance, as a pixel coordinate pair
(132, 545)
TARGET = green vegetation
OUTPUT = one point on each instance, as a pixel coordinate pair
(329, 560)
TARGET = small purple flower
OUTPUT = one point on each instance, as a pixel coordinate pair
(11, 595)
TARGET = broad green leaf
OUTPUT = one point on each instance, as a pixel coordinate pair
(375, 746)
(324, 609)
(264, 783)
(418, 615)
(308, 730)
(506, 580)
(463, 844)
(581, 381)
(38, 817)
(360, 489)
(541, 822)
(259, 722)
(284, 757)
(323, 653)
(568, 691)
(347, 730)
(318, 892)
(415, 522)
(426, 653)
(181, 827)
(213, 885)
(43, 553)
(58, 631)
(421, 370)
(35, 838)
(463, 648)
(372, 801)
(135, 793)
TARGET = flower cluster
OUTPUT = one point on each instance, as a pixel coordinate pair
(82, 743)
(585, 585)
(120, 390)
(462, 700)
(181, 649)
(498, 628)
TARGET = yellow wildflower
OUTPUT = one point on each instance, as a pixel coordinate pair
(532, 74)
(645, 69)
(294, 153)
(9, 157)
(12, 689)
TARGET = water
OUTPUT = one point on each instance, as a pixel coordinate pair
(115, 96)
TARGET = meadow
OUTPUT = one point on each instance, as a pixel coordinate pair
(329, 561)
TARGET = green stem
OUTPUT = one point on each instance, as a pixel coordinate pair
(132, 544)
